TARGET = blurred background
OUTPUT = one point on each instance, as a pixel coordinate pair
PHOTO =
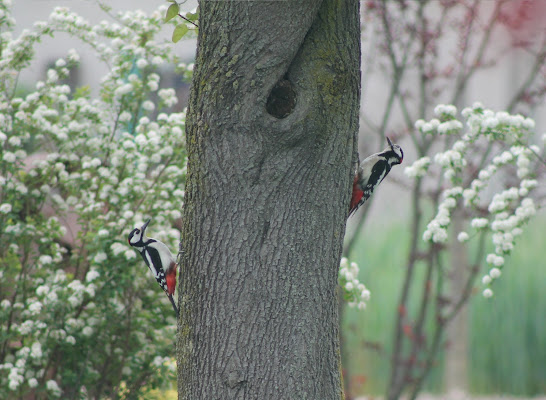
(415, 55)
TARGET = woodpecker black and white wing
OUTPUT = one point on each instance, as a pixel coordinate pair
(153, 260)
(379, 171)
(165, 254)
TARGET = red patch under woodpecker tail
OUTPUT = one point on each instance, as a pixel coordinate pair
(171, 279)
(356, 196)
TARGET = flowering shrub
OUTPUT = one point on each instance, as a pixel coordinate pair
(488, 170)
(355, 293)
(80, 315)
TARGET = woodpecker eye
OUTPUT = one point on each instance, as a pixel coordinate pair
(133, 236)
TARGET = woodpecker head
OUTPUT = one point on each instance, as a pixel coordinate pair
(137, 237)
(395, 153)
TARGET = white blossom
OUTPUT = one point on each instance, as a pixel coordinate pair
(42, 290)
(52, 297)
(445, 109)
(418, 168)
(52, 75)
(45, 259)
(499, 260)
(15, 378)
(9, 157)
(92, 275)
(449, 127)
(87, 331)
(148, 105)
(125, 116)
(36, 350)
(35, 307)
(494, 273)
(142, 63)
(14, 141)
(123, 90)
(53, 388)
(100, 257)
(462, 237)
(168, 96)
(479, 223)
(469, 195)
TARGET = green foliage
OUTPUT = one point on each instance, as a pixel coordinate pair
(181, 29)
(172, 12)
(369, 333)
(80, 315)
(507, 341)
(179, 32)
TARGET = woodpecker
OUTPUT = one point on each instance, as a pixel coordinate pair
(158, 258)
(371, 172)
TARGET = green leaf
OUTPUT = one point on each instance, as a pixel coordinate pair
(192, 16)
(172, 12)
(105, 7)
(82, 92)
(179, 31)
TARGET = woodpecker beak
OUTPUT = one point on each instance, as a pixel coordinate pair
(145, 226)
(390, 143)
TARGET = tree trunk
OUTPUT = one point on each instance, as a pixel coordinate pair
(271, 137)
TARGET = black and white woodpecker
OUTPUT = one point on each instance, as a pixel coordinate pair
(372, 171)
(158, 258)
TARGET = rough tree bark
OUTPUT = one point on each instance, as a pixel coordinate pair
(271, 136)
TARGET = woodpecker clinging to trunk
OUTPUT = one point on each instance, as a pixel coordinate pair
(371, 172)
(158, 258)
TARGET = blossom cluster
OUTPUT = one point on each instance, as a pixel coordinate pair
(77, 174)
(494, 151)
(419, 168)
(354, 291)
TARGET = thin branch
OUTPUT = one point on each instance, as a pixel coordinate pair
(397, 68)
(191, 22)
(461, 84)
(537, 66)
(466, 34)
(425, 301)
(428, 363)
(467, 291)
(395, 385)
(537, 155)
